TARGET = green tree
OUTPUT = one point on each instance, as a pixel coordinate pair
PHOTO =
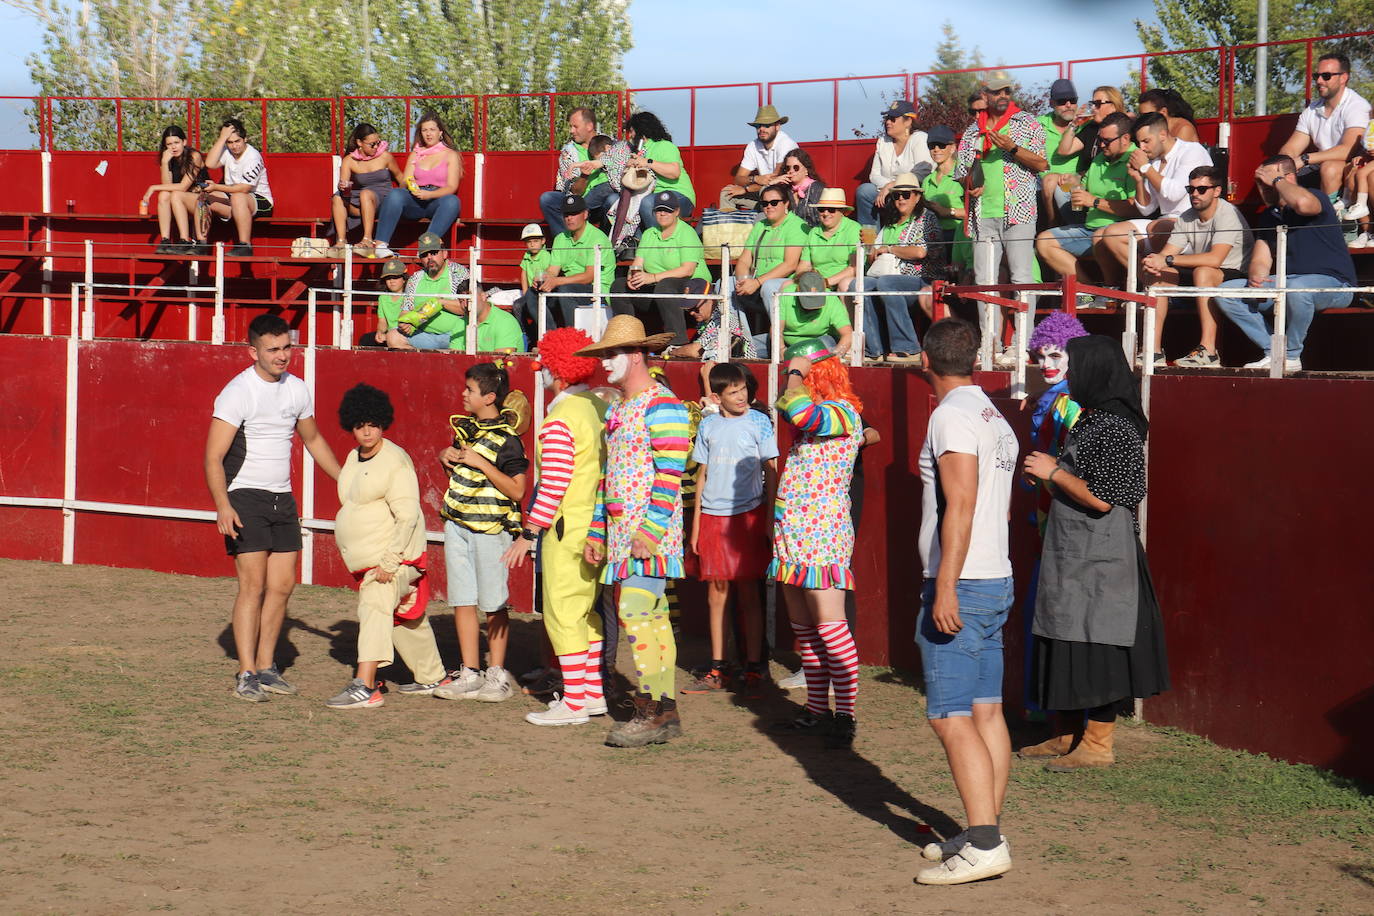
(1183, 24)
(951, 90)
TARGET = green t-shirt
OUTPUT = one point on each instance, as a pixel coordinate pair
(573, 256)
(1059, 165)
(662, 254)
(770, 243)
(389, 307)
(427, 287)
(1109, 181)
(499, 331)
(994, 198)
(947, 191)
(665, 151)
(800, 323)
(534, 265)
(828, 255)
(595, 178)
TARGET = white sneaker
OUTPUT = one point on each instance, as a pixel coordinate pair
(1289, 365)
(497, 686)
(595, 707)
(558, 713)
(463, 686)
(794, 681)
(1356, 212)
(1005, 360)
(1362, 241)
(383, 251)
(936, 852)
(968, 864)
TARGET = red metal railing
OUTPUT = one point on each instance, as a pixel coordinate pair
(1229, 82)
(692, 100)
(1146, 56)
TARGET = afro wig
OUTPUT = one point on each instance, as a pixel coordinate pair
(1056, 330)
(364, 404)
(556, 349)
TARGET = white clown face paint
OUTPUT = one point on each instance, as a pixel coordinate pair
(1054, 364)
(545, 377)
(616, 367)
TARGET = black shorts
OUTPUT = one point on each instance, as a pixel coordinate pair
(270, 522)
(1185, 275)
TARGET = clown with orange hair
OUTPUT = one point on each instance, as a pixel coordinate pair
(813, 534)
(569, 452)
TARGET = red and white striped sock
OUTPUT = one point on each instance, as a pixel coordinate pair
(813, 658)
(594, 689)
(574, 667)
(843, 657)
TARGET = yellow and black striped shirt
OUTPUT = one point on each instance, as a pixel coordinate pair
(472, 500)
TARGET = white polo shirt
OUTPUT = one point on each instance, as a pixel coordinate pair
(265, 414)
(1326, 131)
(765, 160)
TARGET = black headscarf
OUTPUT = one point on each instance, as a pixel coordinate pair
(1100, 379)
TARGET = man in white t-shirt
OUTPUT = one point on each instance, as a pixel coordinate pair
(1329, 129)
(248, 470)
(762, 160)
(967, 464)
(245, 193)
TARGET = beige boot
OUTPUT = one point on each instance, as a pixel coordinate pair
(1095, 750)
(1067, 730)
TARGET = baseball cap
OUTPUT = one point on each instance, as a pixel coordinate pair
(998, 79)
(573, 204)
(530, 231)
(810, 282)
(900, 108)
(665, 200)
(429, 242)
(1062, 89)
(939, 135)
(394, 267)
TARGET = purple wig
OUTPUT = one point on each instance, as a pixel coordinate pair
(1056, 330)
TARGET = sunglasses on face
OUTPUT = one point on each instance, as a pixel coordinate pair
(827, 209)
(902, 195)
(940, 145)
(1200, 188)
(998, 91)
(796, 168)
(1064, 102)
(771, 202)
(1107, 141)
(1098, 103)
(1323, 77)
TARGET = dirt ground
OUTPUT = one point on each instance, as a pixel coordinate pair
(133, 782)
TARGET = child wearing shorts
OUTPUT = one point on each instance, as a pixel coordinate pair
(380, 533)
(481, 513)
(737, 450)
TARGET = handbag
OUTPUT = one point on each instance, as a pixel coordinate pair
(725, 227)
(306, 247)
(884, 265)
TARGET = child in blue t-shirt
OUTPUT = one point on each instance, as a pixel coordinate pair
(737, 450)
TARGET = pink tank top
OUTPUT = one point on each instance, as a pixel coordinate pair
(436, 175)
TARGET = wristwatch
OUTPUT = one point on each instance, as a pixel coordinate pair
(1169, 259)
(1013, 151)
(797, 372)
(649, 161)
(1305, 157)
(1097, 203)
(529, 535)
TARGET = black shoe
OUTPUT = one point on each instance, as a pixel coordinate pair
(198, 248)
(241, 250)
(166, 246)
(841, 734)
(806, 723)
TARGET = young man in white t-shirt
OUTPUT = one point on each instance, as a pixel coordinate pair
(967, 464)
(245, 193)
(1329, 129)
(248, 470)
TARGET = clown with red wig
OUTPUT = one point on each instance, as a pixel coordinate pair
(813, 534)
(569, 452)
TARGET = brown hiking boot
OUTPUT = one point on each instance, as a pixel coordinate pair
(646, 727)
(668, 719)
(1057, 746)
(1095, 750)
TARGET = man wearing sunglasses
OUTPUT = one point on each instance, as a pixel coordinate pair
(1063, 112)
(1329, 129)
(1210, 244)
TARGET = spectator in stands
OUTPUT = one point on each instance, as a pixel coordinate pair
(578, 172)
(1105, 196)
(822, 318)
(432, 316)
(393, 282)
(1159, 167)
(497, 329)
(245, 193)
(1329, 129)
(1358, 187)
(1106, 101)
(654, 149)
(1063, 113)
(1317, 258)
(533, 263)
(668, 254)
(910, 239)
(433, 170)
(1001, 150)
(706, 313)
(799, 172)
(1174, 107)
(830, 246)
(365, 179)
(945, 195)
(901, 149)
(762, 161)
(771, 254)
(572, 267)
(181, 166)
(1210, 244)
(976, 103)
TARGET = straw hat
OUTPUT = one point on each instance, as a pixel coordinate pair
(767, 116)
(626, 332)
(906, 182)
(636, 180)
(833, 197)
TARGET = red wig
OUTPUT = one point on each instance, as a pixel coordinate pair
(828, 380)
(556, 349)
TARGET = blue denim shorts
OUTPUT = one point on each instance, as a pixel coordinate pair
(476, 575)
(1076, 240)
(429, 340)
(965, 668)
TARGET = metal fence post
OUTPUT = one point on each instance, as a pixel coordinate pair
(1278, 344)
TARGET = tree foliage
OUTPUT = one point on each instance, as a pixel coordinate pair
(324, 49)
(1183, 24)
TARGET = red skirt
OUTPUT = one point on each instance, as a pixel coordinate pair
(734, 547)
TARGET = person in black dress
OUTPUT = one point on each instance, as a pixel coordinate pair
(1099, 638)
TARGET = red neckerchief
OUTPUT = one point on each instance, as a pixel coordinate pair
(983, 124)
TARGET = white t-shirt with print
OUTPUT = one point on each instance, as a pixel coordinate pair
(1326, 132)
(247, 169)
(966, 422)
(265, 414)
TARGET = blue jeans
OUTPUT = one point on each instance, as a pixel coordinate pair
(429, 340)
(646, 209)
(865, 199)
(551, 204)
(888, 318)
(1246, 313)
(399, 204)
(965, 668)
(758, 310)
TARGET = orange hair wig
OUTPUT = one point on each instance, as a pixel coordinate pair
(828, 380)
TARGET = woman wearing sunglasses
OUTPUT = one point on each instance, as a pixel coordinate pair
(770, 256)
(913, 238)
(901, 149)
(799, 173)
(1106, 100)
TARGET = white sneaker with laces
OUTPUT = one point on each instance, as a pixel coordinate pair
(1356, 212)
(558, 713)
(497, 686)
(936, 852)
(794, 681)
(596, 707)
(968, 864)
(383, 251)
(1289, 365)
(1199, 358)
(461, 686)
(1005, 360)
(1362, 241)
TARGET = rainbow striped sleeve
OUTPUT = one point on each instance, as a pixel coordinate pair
(670, 437)
(828, 418)
(596, 533)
